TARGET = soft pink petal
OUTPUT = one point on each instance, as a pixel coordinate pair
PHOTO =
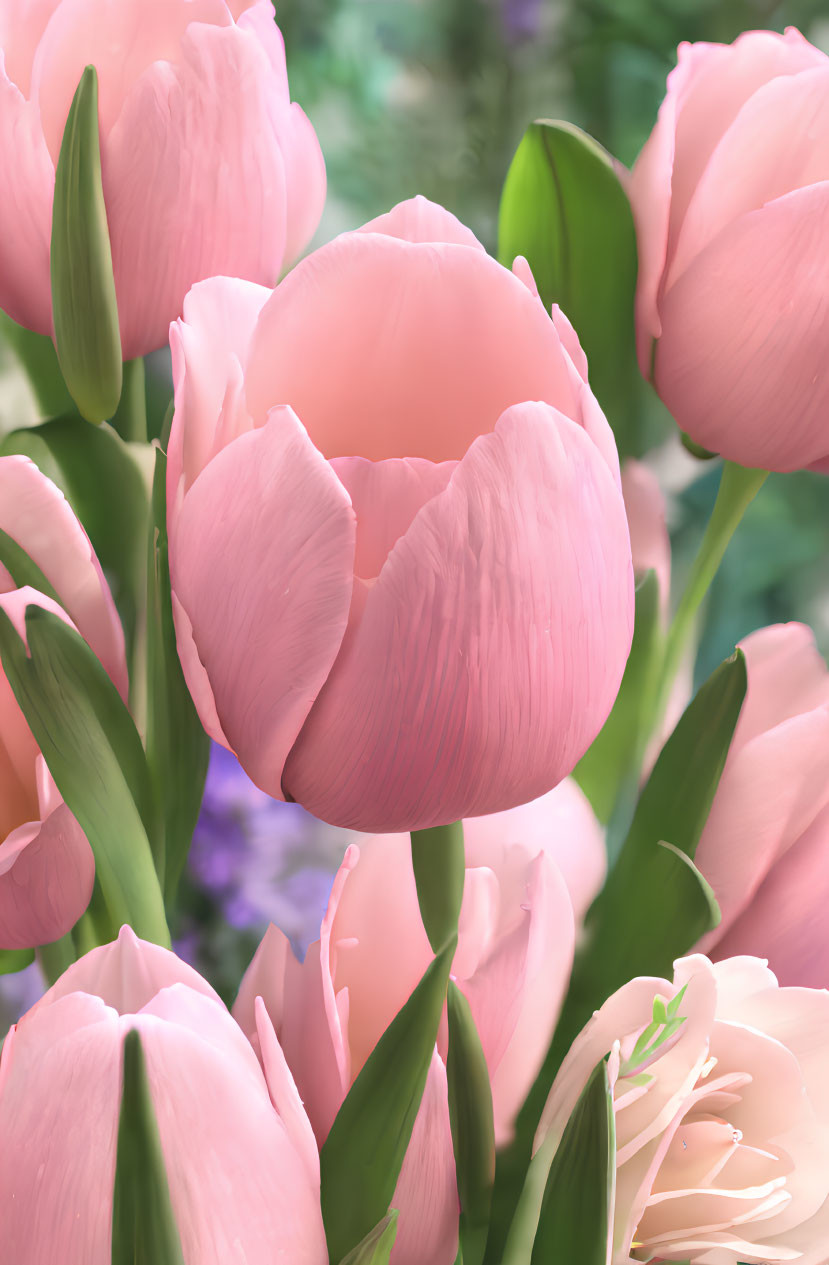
(126, 974)
(385, 496)
(22, 23)
(516, 994)
(426, 1193)
(562, 824)
(209, 346)
(424, 346)
(570, 341)
(265, 978)
(515, 688)
(305, 180)
(261, 563)
(284, 1096)
(787, 675)
(27, 176)
(46, 875)
(741, 325)
(785, 920)
(524, 272)
(18, 756)
(36, 514)
(649, 542)
(419, 220)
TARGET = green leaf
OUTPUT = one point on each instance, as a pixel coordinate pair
(84, 307)
(94, 753)
(144, 1230)
(178, 748)
(105, 487)
(564, 209)
(577, 1208)
(473, 1130)
(611, 760)
(12, 960)
(361, 1159)
(37, 355)
(439, 865)
(376, 1247)
(22, 569)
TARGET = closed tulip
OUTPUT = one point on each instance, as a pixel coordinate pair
(515, 949)
(763, 849)
(46, 865)
(731, 203)
(399, 556)
(241, 1161)
(207, 166)
(722, 1118)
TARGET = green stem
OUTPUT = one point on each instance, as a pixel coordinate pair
(439, 866)
(55, 958)
(738, 488)
(130, 418)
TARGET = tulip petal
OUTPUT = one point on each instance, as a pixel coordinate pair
(742, 323)
(27, 175)
(36, 514)
(649, 542)
(267, 619)
(284, 1094)
(305, 180)
(470, 638)
(426, 1192)
(370, 307)
(47, 871)
(419, 220)
(787, 676)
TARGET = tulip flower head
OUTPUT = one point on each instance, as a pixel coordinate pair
(46, 865)
(398, 548)
(722, 1115)
(207, 167)
(731, 203)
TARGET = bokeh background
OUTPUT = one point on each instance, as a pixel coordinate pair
(432, 97)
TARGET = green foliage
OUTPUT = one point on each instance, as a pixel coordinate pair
(13, 960)
(376, 1247)
(471, 1117)
(84, 307)
(439, 865)
(361, 1159)
(144, 1230)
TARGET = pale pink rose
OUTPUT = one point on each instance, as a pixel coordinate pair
(399, 555)
(763, 849)
(731, 201)
(46, 865)
(723, 1126)
(515, 949)
(241, 1161)
(207, 166)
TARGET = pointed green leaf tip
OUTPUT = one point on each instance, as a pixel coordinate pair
(84, 308)
(376, 1247)
(144, 1230)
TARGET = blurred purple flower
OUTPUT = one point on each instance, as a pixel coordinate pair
(261, 860)
(521, 19)
(18, 993)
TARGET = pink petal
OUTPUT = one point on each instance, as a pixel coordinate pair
(36, 514)
(28, 176)
(21, 29)
(439, 338)
(482, 574)
(47, 871)
(305, 180)
(18, 754)
(649, 542)
(562, 824)
(426, 1194)
(774, 146)
(419, 220)
(516, 994)
(284, 1096)
(742, 324)
(261, 563)
(787, 676)
(209, 345)
(126, 974)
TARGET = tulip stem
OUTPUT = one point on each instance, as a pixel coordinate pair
(439, 866)
(738, 488)
(130, 418)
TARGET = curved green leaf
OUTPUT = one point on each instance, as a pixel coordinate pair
(376, 1247)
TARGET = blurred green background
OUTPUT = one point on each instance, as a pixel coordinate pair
(432, 97)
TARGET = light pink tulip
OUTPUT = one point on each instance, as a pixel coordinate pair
(731, 202)
(207, 166)
(649, 541)
(400, 562)
(241, 1160)
(723, 1132)
(763, 848)
(46, 865)
(513, 961)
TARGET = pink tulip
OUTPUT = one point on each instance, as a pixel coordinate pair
(207, 166)
(513, 961)
(731, 203)
(722, 1129)
(763, 849)
(649, 541)
(400, 562)
(241, 1161)
(46, 865)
